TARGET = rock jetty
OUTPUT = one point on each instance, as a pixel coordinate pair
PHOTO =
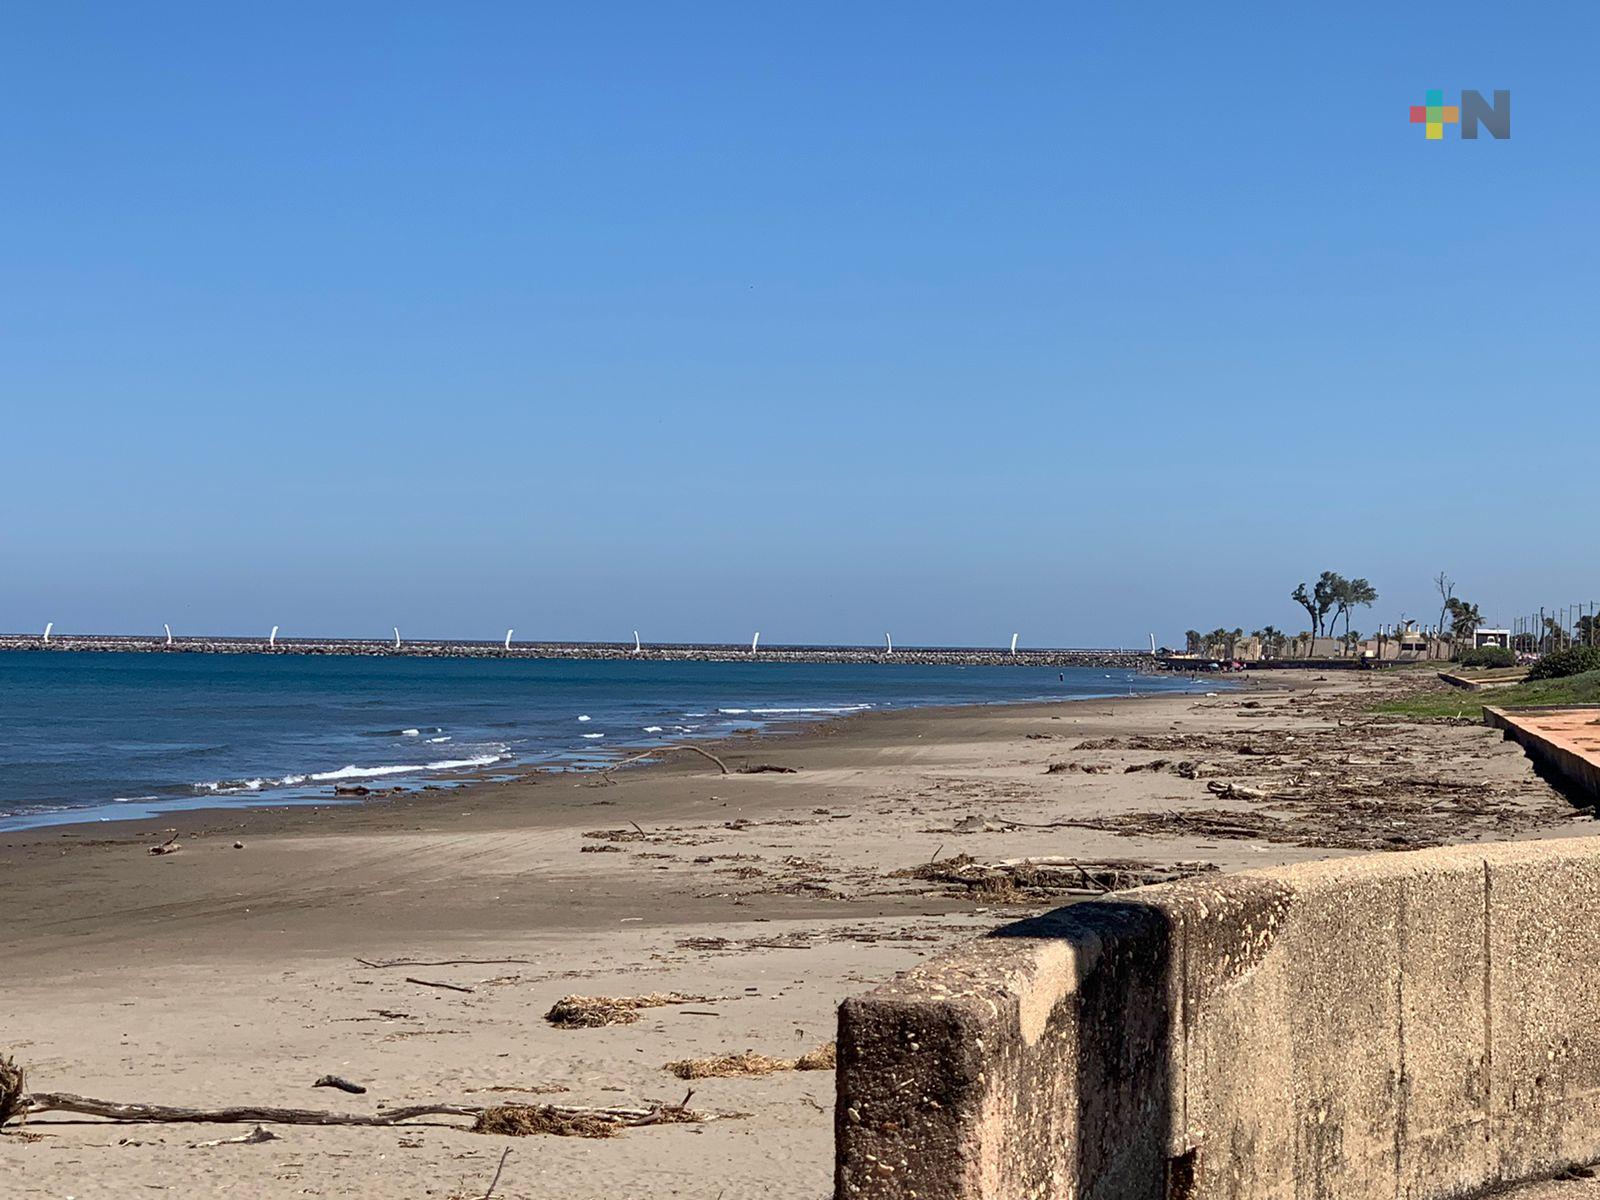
(374, 648)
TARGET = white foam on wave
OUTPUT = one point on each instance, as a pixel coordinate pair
(593, 735)
(585, 717)
(410, 732)
(234, 786)
(449, 764)
(437, 740)
(652, 729)
(781, 712)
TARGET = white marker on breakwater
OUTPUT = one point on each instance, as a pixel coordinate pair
(1014, 642)
(272, 638)
(888, 644)
(48, 626)
(509, 632)
(754, 641)
(168, 628)
(397, 637)
(637, 649)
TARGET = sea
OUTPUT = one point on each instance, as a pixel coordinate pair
(110, 736)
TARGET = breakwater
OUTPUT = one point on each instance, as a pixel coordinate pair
(675, 652)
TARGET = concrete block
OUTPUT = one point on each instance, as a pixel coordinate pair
(1412, 1025)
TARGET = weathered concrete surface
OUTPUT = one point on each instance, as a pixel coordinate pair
(1563, 741)
(1407, 1025)
(1488, 681)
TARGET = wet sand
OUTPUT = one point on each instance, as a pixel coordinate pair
(218, 976)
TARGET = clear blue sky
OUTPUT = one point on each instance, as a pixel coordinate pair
(951, 320)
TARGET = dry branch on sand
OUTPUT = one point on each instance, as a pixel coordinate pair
(730, 1066)
(603, 776)
(442, 962)
(589, 1012)
(17, 1104)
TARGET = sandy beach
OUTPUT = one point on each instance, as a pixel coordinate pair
(219, 975)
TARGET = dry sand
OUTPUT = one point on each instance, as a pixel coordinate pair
(219, 976)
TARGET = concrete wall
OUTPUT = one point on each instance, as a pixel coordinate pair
(1407, 1025)
(1555, 750)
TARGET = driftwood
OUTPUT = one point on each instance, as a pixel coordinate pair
(16, 1103)
(616, 1117)
(449, 987)
(493, 1183)
(255, 1137)
(41, 1102)
(443, 962)
(340, 1082)
(605, 774)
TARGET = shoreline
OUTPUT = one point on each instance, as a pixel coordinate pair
(465, 780)
(470, 785)
(223, 976)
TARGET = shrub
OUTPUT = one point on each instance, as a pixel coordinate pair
(1488, 656)
(1572, 661)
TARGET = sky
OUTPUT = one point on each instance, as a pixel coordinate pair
(827, 320)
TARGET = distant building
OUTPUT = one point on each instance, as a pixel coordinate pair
(1499, 639)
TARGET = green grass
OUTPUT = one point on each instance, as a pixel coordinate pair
(1446, 701)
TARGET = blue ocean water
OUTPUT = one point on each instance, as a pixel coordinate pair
(103, 736)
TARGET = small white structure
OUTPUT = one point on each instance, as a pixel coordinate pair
(1499, 639)
(168, 628)
(397, 637)
(48, 626)
(272, 638)
(1152, 643)
(637, 648)
(1014, 643)
(509, 632)
(755, 641)
(888, 644)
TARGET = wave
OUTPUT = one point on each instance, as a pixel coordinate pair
(652, 729)
(449, 764)
(234, 786)
(836, 709)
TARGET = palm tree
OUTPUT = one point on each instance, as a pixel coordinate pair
(1357, 593)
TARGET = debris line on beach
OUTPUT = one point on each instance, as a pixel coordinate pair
(1022, 878)
(732, 1066)
(588, 1012)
